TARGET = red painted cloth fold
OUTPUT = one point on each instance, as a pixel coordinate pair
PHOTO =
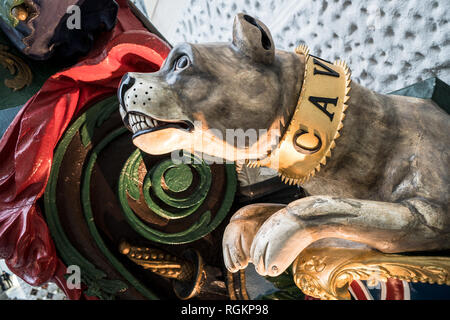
(26, 149)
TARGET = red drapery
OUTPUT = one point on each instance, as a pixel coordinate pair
(26, 149)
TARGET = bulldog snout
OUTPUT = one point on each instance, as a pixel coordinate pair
(126, 84)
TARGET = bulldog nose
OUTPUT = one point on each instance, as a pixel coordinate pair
(125, 84)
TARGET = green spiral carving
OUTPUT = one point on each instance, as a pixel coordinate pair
(181, 187)
(176, 177)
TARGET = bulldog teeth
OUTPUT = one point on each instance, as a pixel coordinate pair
(149, 122)
(139, 123)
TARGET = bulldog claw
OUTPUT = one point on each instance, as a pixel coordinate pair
(240, 232)
(277, 243)
(268, 262)
(258, 254)
(227, 259)
(234, 246)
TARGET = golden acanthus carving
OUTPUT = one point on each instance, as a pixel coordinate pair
(326, 273)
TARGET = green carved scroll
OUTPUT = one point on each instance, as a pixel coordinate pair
(94, 278)
(191, 196)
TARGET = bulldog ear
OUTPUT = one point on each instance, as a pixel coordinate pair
(253, 39)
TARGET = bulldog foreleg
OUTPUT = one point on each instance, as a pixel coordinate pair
(388, 227)
(239, 234)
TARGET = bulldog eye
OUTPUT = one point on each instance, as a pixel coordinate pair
(182, 63)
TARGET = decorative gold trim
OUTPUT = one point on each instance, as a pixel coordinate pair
(230, 286)
(326, 273)
(188, 275)
(17, 67)
(185, 289)
(158, 262)
(296, 165)
(242, 285)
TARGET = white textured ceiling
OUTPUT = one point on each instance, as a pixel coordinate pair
(388, 44)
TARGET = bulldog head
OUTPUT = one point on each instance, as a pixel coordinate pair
(206, 95)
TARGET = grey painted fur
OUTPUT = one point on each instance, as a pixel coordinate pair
(386, 184)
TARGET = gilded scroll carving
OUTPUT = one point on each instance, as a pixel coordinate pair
(326, 273)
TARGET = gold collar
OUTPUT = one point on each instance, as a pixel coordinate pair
(316, 121)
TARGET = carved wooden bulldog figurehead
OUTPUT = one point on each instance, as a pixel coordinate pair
(204, 90)
(383, 183)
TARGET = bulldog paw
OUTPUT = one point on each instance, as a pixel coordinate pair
(236, 246)
(278, 242)
(239, 234)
